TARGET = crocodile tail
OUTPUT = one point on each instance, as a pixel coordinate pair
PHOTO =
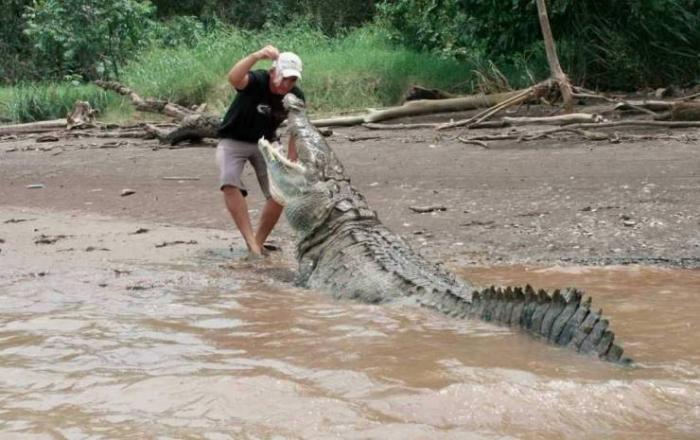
(560, 318)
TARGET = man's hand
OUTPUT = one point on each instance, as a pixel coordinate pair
(268, 52)
(238, 75)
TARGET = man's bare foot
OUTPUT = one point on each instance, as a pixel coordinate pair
(255, 249)
(253, 257)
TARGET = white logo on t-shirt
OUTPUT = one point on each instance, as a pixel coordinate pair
(264, 109)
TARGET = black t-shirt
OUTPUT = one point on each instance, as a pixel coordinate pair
(255, 112)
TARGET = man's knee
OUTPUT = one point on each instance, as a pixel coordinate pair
(233, 191)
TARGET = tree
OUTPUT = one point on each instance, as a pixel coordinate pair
(91, 38)
(624, 44)
(14, 47)
(551, 50)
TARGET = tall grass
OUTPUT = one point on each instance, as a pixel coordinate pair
(350, 72)
(354, 71)
(42, 101)
(363, 70)
(5, 93)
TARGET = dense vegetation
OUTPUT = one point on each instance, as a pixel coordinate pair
(617, 44)
(357, 54)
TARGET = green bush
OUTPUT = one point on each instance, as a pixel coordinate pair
(91, 38)
(15, 50)
(182, 30)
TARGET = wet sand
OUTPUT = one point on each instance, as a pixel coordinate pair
(548, 202)
(135, 317)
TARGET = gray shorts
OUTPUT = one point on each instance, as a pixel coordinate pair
(231, 156)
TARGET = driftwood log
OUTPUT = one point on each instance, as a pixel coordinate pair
(193, 125)
(33, 127)
(81, 116)
(150, 105)
(417, 108)
(192, 128)
(570, 118)
(681, 111)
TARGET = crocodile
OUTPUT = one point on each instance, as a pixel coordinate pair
(343, 249)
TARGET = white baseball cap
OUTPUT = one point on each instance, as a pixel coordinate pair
(288, 64)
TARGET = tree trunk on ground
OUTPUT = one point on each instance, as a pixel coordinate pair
(193, 125)
(149, 104)
(82, 115)
(33, 127)
(681, 111)
(192, 128)
(417, 108)
(571, 118)
(555, 68)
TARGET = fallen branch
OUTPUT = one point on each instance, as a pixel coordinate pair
(581, 93)
(571, 118)
(681, 138)
(374, 126)
(194, 125)
(488, 124)
(340, 121)
(690, 97)
(590, 135)
(638, 123)
(416, 108)
(193, 128)
(118, 135)
(644, 105)
(146, 105)
(33, 127)
(519, 97)
(172, 243)
(681, 111)
(581, 130)
(425, 209)
(472, 141)
(489, 137)
(362, 138)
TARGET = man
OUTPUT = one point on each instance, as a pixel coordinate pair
(256, 112)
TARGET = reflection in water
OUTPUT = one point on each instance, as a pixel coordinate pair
(238, 353)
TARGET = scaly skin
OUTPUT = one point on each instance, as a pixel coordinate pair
(344, 249)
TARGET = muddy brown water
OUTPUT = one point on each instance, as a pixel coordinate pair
(197, 351)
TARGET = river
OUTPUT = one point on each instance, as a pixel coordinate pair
(197, 350)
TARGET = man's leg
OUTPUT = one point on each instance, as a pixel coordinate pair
(238, 208)
(231, 157)
(272, 210)
(268, 219)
